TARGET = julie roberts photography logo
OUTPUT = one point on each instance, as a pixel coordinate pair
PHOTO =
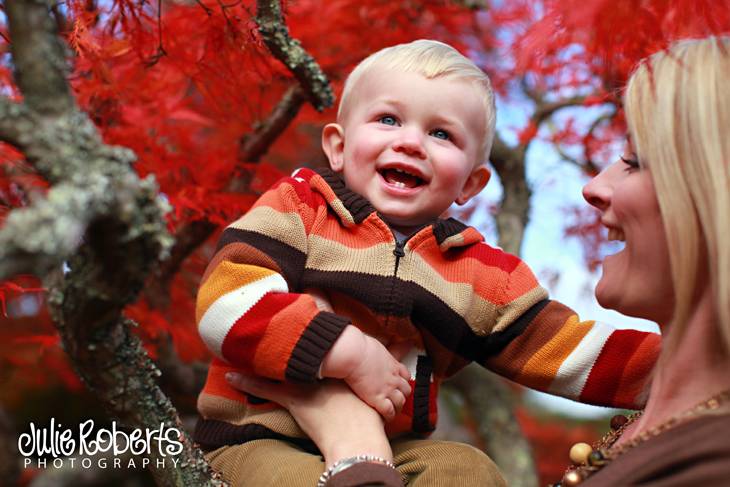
(88, 446)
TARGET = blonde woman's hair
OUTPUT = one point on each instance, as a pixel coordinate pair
(678, 112)
(432, 59)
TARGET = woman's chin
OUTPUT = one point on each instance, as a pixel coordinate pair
(606, 294)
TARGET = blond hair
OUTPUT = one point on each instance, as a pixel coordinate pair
(431, 59)
(678, 112)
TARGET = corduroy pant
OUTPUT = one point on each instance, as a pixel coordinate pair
(421, 463)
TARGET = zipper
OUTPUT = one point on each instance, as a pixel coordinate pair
(399, 252)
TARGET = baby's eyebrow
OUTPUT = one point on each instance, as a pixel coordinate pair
(452, 123)
(388, 101)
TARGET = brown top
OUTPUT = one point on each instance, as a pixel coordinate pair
(696, 453)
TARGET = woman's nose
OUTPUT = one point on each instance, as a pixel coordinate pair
(598, 192)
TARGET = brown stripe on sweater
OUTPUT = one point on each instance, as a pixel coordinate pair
(374, 291)
(426, 310)
(287, 258)
(454, 333)
(445, 362)
(366, 288)
(444, 229)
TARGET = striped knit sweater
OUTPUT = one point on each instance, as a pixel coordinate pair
(444, 290)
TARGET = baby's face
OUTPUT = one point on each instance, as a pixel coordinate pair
(410, 144)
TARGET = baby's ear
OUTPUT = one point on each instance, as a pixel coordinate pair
(476, 182)
(333, 144)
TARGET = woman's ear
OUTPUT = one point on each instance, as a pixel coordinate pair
(333, 144)
(476, 182)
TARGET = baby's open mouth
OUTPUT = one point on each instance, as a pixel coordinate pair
(400, 178)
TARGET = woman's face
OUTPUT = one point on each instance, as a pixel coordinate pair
(637, 280)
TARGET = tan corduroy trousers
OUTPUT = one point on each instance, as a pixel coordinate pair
(421, 463)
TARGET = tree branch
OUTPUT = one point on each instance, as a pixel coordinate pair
(15, 122)
(492, 405)
(509, 162)
(89, 179)
(290, 52)
(256, 144)
(98, 203)
(38, 57)
(512, 216)
(545, 110)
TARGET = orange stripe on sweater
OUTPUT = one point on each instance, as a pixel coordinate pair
(521, 281)
(520, 350)
(216, 383)
(356, 237)
(240, 252)
(282, 336)
(452, 269)
(541, 369)
(227, 277)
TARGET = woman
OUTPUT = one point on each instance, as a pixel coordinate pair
(668, 198)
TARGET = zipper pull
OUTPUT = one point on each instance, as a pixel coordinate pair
(398, 250)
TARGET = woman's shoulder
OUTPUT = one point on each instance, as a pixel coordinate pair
(694, 453)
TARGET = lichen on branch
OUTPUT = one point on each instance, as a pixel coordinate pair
(290, 52)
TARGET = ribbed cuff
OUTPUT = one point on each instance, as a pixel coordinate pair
(322, 332)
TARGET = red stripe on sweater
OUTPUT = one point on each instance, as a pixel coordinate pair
(603, 382)
(638, 369)
(490, 256)
(239, 346)
(302, 188)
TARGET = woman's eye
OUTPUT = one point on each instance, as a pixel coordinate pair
(388, 120)
(632, 163)
(441, 134)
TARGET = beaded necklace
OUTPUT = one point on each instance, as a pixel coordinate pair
(587, 459)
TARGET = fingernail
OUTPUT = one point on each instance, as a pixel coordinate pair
(233, 376)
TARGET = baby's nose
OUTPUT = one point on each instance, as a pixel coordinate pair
(409, 142)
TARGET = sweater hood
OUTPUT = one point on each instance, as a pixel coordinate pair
(352, 208)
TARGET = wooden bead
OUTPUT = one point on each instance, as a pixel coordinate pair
(579, 453)
(572, 479)
(618, 421)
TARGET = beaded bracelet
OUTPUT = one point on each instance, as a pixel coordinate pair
(348, 462)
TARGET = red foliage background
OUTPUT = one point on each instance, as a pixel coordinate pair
(183, 86)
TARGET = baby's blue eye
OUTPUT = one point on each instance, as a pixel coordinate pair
(441, 134)
(388, 120)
